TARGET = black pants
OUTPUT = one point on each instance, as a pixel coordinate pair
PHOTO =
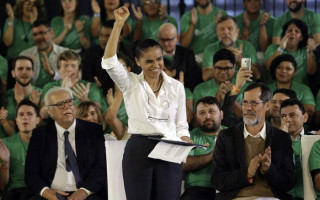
(199, 193)
(146, 178)
(17, 194)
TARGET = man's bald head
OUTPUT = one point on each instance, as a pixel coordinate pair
(168, 37)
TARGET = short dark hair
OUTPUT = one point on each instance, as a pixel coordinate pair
(40, 22)
(276, 62)
(224, 54)
(225, 18)
(168, 64)
(209, 100)
(14, 61)
(109, 24)
(265, 91)
(27, 102)
(303, 28)
(289, 93)
(144, 45)
(292, 102)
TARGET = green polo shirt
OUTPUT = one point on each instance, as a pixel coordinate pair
(248, 51)
(3, 68)
(300, 56)
(202, 177)
(72, 39)
(254, 29)
(18, 151)
(311, 19)
(204, 31)
(314, 162)
(303, 92)
(297, 190)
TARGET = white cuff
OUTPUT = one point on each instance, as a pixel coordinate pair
(87, 191)
(43, 189)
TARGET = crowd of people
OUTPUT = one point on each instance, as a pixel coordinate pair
(126, 73)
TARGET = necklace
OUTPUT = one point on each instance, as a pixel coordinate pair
(24, 148)
(159, 86)
(25, 39)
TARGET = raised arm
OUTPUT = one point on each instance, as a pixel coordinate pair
(121, 14)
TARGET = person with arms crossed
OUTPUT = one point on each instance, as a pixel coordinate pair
(156, 107)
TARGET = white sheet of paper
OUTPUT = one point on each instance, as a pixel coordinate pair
(170, 152)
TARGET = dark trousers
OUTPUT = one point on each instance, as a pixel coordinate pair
(146, 178)
(199, 193)
(17, 194)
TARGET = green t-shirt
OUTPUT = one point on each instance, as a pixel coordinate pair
(72, 39)
(18, 150)
(21, 30)
(318, 101)
(297, 190)
(210, 88)
(254, 29)
(248, 51)
(150, 28)
(95, 93)
(11, 105)
(314, 162)
(44, 76)
(189, 94)
(202, 177)
(312, 20)
(303, 92)
(204, 31)
(300, 56)
(3, 68)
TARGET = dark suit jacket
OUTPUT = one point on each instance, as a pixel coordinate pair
(185, 61)
(229, 162)
(42, 155)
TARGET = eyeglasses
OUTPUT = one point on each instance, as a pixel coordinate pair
(251, 103)
(291, 115)
(61, 104)
(166, 39)
(226, 69)
(39, 33)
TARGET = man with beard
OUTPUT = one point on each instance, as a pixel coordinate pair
(297, 11)
(227, 32)
(23, 73)
(222, 84)
(199, 162)
(278, 97)
(198, 27)
(293, 117)
(44, 54)
(255, 25)
(253, 159)
(13, 152)
(146, 27)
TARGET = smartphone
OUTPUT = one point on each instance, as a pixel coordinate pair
(246, 62)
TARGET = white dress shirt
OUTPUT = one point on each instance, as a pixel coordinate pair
(64, 180)
(150, 115)
(262, 133)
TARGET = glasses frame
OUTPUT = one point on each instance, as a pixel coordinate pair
(70, 102)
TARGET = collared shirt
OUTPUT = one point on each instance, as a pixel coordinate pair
(298, 136)
(148, 114)
(33, 51)
(262, 133)
(64, 180)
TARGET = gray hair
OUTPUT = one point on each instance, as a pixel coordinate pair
(53, 91)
